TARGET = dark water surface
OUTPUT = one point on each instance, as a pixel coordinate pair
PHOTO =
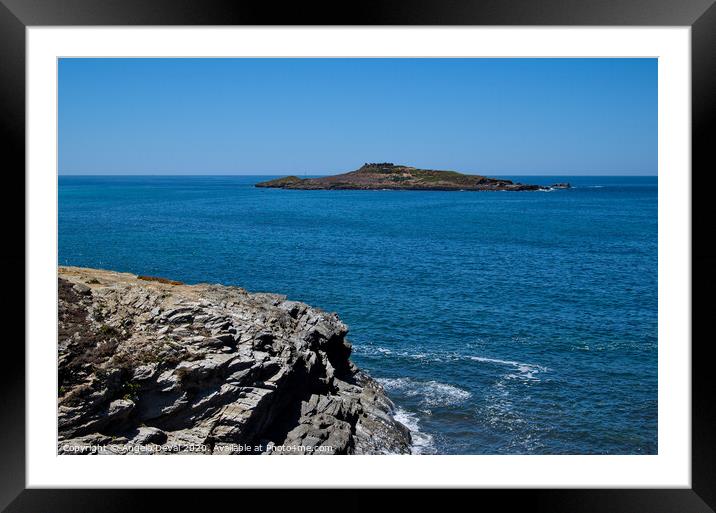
(498, 322)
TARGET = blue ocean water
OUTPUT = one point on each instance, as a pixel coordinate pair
(498, 322)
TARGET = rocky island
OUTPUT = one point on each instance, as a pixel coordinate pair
(386, 175)
(152, 365)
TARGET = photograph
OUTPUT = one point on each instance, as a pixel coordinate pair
(357, 256)
(459, 249)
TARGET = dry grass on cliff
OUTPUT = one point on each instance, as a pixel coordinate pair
(160, 280)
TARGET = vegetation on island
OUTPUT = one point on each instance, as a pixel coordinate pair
(386, 175)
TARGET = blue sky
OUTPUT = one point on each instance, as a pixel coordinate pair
(324, 116)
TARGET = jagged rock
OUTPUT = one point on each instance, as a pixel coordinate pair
(81, 288)
(149, 435)
(209, 369)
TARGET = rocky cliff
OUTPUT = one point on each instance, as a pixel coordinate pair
(153, 365)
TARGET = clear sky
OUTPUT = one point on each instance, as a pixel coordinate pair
(324, 116)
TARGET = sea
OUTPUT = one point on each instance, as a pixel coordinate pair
(498, 322)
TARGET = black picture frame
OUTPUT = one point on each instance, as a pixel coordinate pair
(17, 15)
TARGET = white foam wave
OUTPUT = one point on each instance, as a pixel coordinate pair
(423, 443)
(524, 370)
(421, 355)
(431, 393)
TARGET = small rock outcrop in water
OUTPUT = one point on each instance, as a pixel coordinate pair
(561, 185)
(385, 175)
(156, 365)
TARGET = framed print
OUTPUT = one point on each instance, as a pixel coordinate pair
(437, 247)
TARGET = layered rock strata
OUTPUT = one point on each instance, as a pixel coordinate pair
(152, 365)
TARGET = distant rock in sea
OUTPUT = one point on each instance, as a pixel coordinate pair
(386, 175)
(152, 363)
